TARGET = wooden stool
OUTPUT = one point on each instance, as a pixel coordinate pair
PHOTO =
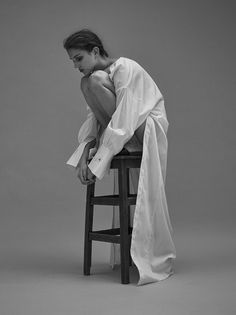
(123, 162)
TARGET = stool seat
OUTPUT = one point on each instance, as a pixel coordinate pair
(122, 235)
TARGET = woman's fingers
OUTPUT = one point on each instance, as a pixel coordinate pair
(83, 176)
(90, 175)
(80, 175)
(84, 173)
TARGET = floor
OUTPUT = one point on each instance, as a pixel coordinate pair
(41, 273)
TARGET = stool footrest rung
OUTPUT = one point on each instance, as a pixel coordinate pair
(123, 199)
(112, 200)
(109, 236)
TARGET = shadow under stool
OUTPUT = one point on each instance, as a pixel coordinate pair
(123, 161)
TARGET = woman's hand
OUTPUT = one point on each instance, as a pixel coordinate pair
(84, 173)
(90, 176)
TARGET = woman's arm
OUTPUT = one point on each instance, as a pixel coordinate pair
(87, 138)
(85, 155)
(84, 173)
(136, 96)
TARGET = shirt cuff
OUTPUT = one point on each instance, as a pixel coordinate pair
(75, 157)
(100, 163)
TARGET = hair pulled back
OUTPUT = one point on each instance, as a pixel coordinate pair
(85, 40)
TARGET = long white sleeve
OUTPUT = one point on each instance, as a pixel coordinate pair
(136, 96)
(87, 132)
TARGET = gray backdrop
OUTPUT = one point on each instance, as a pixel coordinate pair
(189, 49)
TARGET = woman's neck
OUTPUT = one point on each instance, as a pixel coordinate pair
(104, 63)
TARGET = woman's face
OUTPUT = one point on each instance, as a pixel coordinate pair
(83, 60)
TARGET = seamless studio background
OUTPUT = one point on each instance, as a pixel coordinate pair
(189, 49)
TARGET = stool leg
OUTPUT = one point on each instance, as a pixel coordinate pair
(128, 191)
(88, 229)
(130, 258)
(124, 224)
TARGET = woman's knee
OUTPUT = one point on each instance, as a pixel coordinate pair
(99, 79)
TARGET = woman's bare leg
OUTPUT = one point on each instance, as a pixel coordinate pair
(99, 93)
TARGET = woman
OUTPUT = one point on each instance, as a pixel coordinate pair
(126, 111)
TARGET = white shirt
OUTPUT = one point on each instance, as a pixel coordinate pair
(136, 95)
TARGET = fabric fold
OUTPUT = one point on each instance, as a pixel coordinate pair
(152, 247)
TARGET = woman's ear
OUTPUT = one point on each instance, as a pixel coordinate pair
(96, 51)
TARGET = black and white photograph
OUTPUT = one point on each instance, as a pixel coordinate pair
(117, 164)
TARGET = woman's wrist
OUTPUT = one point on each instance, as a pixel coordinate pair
(89, 146)
(85, 154)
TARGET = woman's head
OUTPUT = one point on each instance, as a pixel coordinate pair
(84, 40)
(84, 48)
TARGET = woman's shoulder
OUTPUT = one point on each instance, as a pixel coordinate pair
(125, 61)
(122, 64)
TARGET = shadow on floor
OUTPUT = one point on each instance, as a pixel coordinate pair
(59, 266)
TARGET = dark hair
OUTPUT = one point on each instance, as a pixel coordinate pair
(86, 40)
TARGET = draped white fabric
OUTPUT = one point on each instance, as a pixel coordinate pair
(138, 99)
